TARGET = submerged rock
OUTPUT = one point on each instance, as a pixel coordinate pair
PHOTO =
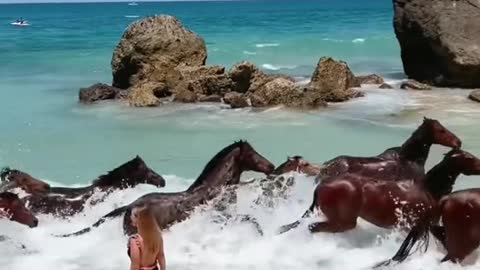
(211, 98)
(385, 86)
(415, 85)
(185, 96)
(97, 92)
(151, 49)
(475, 95)
(333, 80)
(370, 79)
(235, 100)
(439, 41)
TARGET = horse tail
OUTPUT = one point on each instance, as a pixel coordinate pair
(115, 213)
(288, 227)
(419, 233)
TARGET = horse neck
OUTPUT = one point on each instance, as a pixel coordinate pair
(417, 147)
(226, 170)
(440, 179)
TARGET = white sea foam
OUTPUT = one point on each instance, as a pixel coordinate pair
(249, 53)
(278, 67)
(199, 243)
(358, 40)
(263, 45)
(131, 16)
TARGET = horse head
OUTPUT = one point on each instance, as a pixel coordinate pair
(440, 134)
(14, 209)
(463, 161)
(297, 164)
(24, 181)
(130, 174)
(251, 160)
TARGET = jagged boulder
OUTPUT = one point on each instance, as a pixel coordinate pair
(152, 48)
(333, 80)
(185, 96)
(439, 41)
(385, 86)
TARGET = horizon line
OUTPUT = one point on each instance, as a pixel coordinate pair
(113, 1)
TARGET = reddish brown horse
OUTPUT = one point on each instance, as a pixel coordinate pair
(386, 203)
(65, 201)
(17, 179)
(297, 164)
(223, 169)
(460, 233)
(397, 163)
(13, 208)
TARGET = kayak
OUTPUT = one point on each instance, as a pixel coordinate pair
(20, 24)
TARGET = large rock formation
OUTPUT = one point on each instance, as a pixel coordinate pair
(333, 80)
(151, 49)
(440, 41)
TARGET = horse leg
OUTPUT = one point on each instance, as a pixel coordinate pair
(341, 205)
(288, 227)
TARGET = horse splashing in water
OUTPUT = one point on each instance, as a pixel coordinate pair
(386, 203)
(397, 163)
(223, 169)
(460, 233)
(67, 201)
(11, 179)
(12, 207)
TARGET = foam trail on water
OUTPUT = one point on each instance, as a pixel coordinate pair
(263, 45)
(200, 243)
(275, 67)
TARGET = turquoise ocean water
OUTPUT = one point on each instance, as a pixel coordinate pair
(44, 131)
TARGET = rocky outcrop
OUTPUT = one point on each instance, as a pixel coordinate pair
(475, 95)
(97, 92)
(152, 48)
(370, 79)
(207, 85)
(414, 85)
(333, 80)
(235, 100)
(439, 41)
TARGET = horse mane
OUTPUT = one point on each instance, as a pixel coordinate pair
(445, 173)
(213, 162)
(4, 173)
(8, 196)
(118, 173)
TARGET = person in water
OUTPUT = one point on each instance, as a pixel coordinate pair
(145, 248)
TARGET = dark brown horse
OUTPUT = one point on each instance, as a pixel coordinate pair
(460, 233)
(12, 207)
(397, 163)
(223, 169)
(386, 203)
(65, 201)
(11, 179)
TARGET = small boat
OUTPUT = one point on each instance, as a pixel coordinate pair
(23, 23)
(132, 4)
